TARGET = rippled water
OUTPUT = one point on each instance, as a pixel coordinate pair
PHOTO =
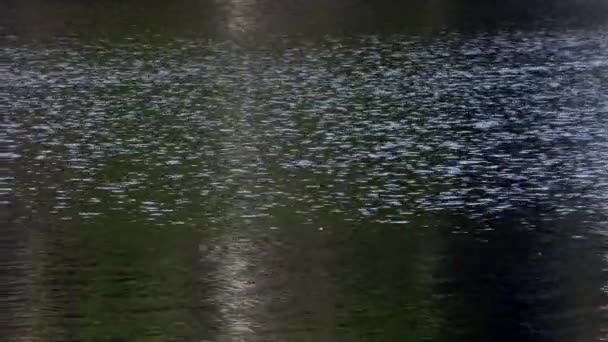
(450, 186)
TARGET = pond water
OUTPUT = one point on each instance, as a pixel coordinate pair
(242, 171)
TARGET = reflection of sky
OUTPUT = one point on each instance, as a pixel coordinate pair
(264, 288)
(234, 254)
(235, 289)
(240, 16)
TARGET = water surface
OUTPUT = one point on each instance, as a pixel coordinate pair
(239, 176)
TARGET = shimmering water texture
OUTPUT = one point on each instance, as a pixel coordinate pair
(445, 187)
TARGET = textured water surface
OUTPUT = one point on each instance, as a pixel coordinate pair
(449, 186)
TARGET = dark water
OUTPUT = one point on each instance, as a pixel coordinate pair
(344, 171)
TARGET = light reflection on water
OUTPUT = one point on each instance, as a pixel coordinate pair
(439, 187)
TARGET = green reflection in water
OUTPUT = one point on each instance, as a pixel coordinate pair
(115, 280)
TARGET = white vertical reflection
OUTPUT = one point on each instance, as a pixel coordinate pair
(240, 15)
(234, 252)
(235, 289)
